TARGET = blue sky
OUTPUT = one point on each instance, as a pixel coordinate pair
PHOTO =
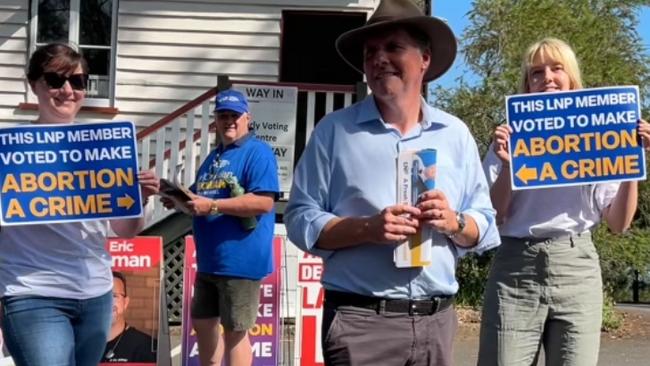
(455, 12)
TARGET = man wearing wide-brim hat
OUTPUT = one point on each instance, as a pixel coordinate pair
(343, 204)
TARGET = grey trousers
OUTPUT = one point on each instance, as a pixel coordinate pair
(543, 293)
(361, 337)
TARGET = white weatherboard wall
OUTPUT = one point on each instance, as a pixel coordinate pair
(13, 58)
(168, 52)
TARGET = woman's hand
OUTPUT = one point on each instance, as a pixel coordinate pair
(644, 133)
(501, 142)
(149, 183)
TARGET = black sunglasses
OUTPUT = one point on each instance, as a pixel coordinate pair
(56, 81)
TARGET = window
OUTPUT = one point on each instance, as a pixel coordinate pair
(90, 24)
(323, 65)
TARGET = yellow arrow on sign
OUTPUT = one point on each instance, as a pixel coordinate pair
(125, 201)
(526, 174)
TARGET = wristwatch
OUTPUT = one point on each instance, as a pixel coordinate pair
(460, 218)
(214, 209)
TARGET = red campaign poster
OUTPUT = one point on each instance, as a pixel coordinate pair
(264, 336)
(137, 275)
(309, 311)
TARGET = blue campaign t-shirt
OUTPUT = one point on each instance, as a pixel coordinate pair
(223, 246)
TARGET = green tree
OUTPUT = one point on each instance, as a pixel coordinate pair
(604, 35)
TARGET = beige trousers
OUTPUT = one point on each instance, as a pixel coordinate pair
(543, 293)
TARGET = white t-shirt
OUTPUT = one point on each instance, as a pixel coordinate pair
(551, 212)
(66, 260)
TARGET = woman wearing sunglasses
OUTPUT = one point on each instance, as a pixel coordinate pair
(55, 279)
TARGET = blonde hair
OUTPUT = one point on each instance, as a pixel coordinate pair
(555, 50)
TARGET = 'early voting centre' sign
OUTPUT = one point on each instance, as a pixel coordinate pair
(60, 173)
(577, 137)
(273, 110)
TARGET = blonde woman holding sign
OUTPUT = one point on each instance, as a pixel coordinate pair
(55, 279)
(545, 285)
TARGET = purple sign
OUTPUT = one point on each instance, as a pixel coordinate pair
(265, 334)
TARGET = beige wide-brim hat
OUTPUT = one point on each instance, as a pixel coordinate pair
(392, 13)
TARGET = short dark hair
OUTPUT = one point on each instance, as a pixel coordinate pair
(121, 277)
(57, 57)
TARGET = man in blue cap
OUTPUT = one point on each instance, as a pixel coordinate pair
(233, 209)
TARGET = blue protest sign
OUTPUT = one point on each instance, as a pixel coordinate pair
(577, 137)
(61, 173)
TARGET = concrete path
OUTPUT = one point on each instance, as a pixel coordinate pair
(619, 352)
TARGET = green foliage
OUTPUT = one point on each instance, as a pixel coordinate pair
(602, 33)
(642, 218)
(620, 255)
(612, 320)
(472, 273)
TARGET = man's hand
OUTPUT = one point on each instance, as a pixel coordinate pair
(199, 205)
(393, 224)
(436, 212)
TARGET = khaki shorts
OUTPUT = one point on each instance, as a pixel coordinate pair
(234, 300)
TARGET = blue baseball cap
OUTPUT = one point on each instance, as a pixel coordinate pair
(231, 100)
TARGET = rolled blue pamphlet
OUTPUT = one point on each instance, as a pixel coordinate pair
(424, 172)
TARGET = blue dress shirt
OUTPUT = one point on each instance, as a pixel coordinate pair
(349, 169)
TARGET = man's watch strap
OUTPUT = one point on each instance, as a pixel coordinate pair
(214, 208)
(460, 218)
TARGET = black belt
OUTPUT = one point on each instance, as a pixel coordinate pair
(412, 307)
(535, 240)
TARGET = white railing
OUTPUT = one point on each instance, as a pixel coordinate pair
(175, 145)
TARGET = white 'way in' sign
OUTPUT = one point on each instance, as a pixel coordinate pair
(273, 117)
